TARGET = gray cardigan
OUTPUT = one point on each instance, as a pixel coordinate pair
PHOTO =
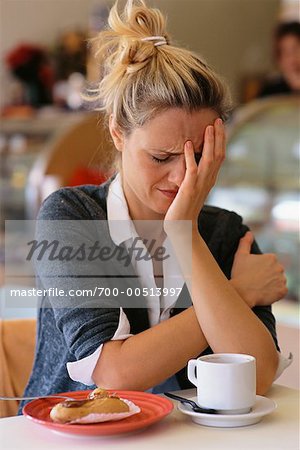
(67, 333)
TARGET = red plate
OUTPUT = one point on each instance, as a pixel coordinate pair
(153, 409)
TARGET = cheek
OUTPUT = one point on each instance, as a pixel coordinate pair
(156, 175)
(143, 171)
(151, 173)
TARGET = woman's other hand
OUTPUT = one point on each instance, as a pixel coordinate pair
(259, 279)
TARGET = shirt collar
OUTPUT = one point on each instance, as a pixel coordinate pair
(121, 227)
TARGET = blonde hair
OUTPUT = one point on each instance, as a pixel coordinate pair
(139, 79)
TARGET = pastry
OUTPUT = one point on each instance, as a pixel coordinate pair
(100, 406)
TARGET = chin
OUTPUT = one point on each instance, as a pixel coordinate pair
(161, 209)
(160, 206)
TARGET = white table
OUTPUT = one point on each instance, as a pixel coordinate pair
(280, 430)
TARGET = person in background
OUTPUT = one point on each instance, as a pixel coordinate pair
(287, 59)
(165, 108)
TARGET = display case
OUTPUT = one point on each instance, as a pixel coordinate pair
(260, 178)
(20, 143)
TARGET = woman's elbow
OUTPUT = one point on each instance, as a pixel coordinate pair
(117, 380)
(106, 380)
(112, 374)
(266, 375)
(108, 376)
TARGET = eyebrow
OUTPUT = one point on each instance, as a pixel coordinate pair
(166, 152)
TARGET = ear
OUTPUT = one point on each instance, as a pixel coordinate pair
(116, 134)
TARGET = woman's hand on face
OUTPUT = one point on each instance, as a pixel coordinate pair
(259, 279)
(198, 180)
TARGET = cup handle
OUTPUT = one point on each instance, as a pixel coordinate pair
(191, 371)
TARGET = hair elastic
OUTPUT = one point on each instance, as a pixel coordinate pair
(161, 40)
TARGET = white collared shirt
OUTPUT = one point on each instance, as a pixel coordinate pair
(124, 233)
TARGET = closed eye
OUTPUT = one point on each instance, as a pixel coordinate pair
(161, 160)
(158, 160)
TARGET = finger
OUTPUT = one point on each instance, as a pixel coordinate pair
(191, 165)
(208, 150)
(245, 243)
(219, 150)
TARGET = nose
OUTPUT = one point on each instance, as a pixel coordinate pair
(177, 172)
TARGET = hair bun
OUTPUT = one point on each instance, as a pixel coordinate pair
(135, 28)
(136, 53)
(140, 75)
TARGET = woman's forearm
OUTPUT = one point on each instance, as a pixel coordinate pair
(226, 320)
(148, 358)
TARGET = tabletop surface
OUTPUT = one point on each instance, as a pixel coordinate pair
(279, 430)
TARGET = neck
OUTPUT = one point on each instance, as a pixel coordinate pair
(135, 209)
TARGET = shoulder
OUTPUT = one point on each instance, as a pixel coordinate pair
(87, 202)
(213, 212)
(222, 231)
(218, 221)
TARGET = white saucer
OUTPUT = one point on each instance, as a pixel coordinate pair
(262, 407)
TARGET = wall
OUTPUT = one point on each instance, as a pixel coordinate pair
(233, 35)
(37, 21)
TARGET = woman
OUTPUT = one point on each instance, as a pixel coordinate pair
(165, 108)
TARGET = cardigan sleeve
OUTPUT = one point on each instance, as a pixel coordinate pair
(82, 369)
(85, 318)
(264, 313)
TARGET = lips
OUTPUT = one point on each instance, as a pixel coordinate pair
(168, 193)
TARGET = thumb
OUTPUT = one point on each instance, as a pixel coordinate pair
(245, 243)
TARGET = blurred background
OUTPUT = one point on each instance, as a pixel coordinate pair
(48, 139)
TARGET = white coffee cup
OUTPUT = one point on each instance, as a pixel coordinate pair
(225, 382)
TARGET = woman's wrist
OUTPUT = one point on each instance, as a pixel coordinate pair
(181, 229)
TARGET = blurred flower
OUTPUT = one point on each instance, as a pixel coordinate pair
(30, 64)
